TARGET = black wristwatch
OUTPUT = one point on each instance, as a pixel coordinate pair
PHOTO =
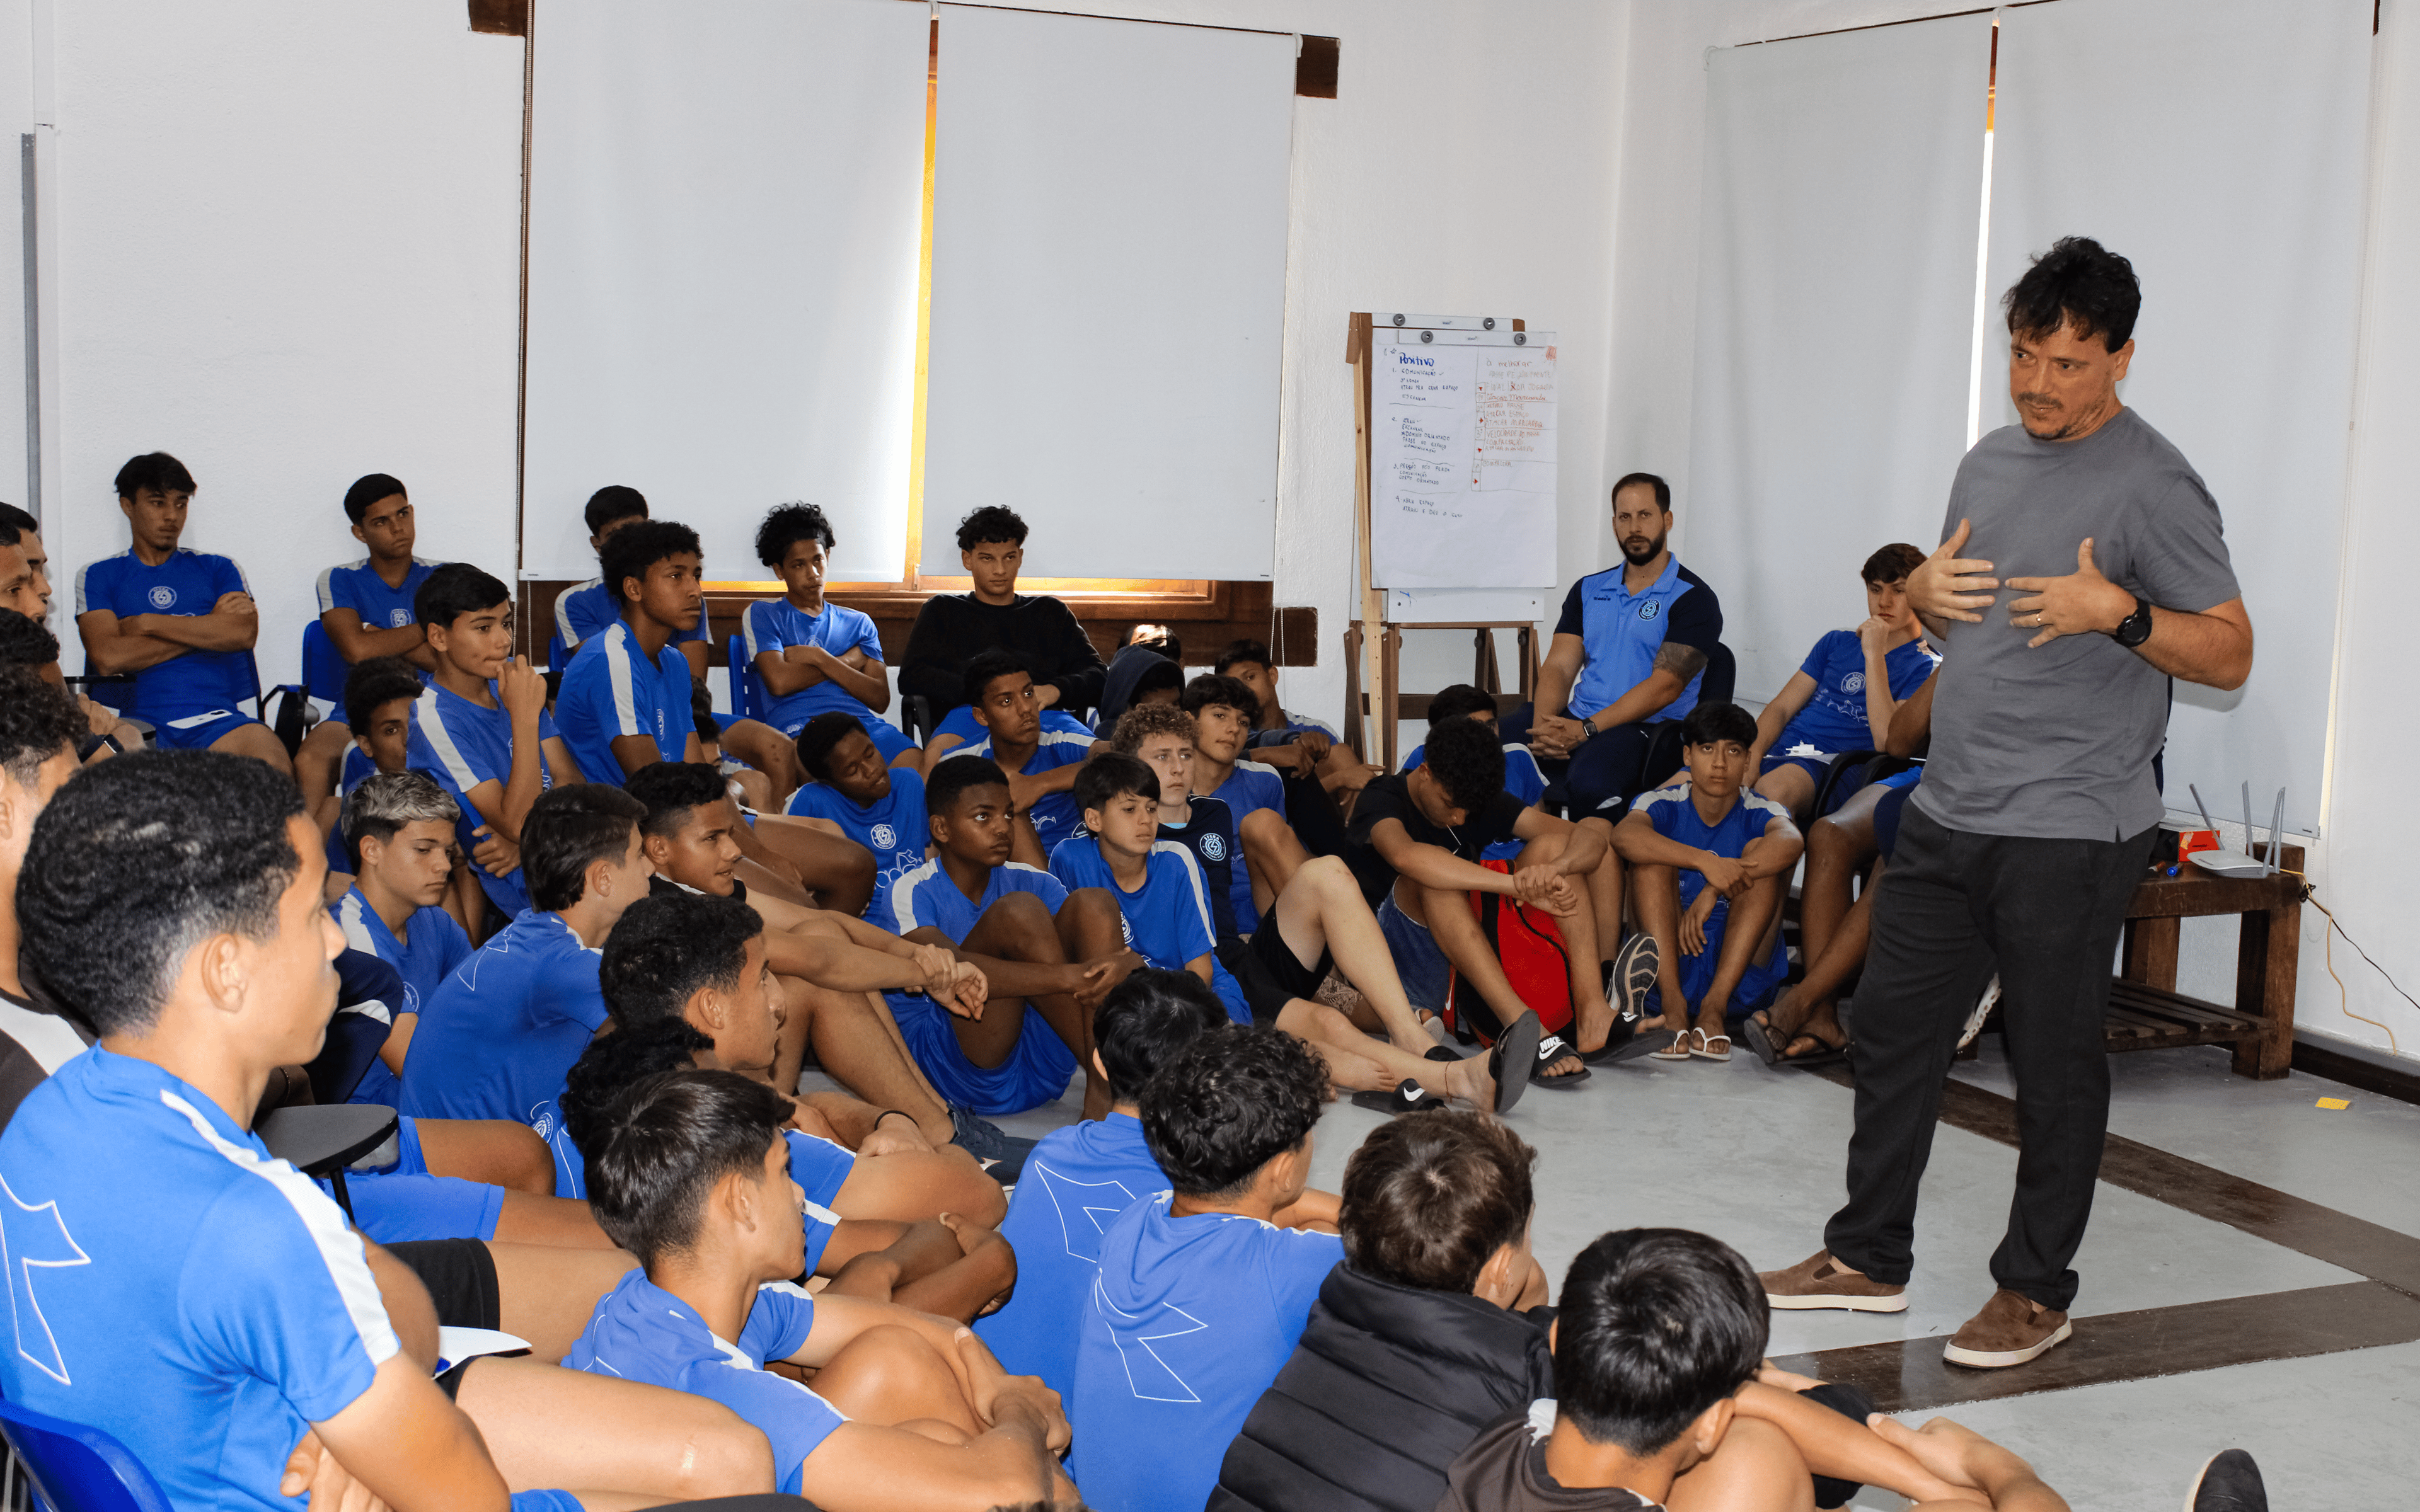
(1588, 728)
(2134, 628)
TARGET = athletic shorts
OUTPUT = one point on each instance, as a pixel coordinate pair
(887, 737)
(198, 731)
(821, 1168)
(1816, 767)
(460, 1276)
(1264, 997)
(1285, 967)
(1887, 807)
(1418, 962)
(1759, 984)
(402, 1202)
(1037, 1070)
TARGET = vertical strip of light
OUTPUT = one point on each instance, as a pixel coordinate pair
(1984, 248)
(923, 313)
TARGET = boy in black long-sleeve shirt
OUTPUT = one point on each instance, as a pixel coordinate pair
(951, 627)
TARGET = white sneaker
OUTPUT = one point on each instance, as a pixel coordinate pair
(1982, 1011)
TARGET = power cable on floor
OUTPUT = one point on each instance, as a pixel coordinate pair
(2327, 948)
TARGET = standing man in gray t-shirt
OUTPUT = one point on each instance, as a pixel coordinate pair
(2034, 821)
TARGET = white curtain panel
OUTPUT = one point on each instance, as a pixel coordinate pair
(724, 206)
(1843, 181)
(2221, 147)
(1109, 291)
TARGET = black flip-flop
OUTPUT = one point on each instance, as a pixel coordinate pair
(1618, 1040)
(1441, 1053)
(1407, 1097)
(1758, 1035)
(1615, 1050)
(1828, 1054)
(1551, 1048)
(1517, 1046)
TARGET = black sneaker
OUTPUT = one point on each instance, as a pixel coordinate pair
(2229, 1483)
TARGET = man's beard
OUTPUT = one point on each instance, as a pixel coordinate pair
(1639, 557)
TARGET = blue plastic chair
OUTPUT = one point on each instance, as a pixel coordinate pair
(555, 660)
(78, 1469)
(117, 695)
(747, 696)
(324, 668)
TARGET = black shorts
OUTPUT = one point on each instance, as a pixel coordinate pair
(1268, 972)
(460, 1276)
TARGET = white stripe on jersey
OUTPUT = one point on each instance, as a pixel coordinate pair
(1067, 737)
(617, 672)
(1193, 874)
(340, 1249)
(748, 629)
(430, 720)
(1758, 800)
(1676, 793)
(82, 607)
(328, 587)
(348, 920)
(563, 611)
(903, 896)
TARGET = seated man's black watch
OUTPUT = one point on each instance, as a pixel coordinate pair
(1588, 728)
(2134, 628)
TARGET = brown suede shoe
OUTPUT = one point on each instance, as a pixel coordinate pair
(2011, 1328)
(1821, 1281)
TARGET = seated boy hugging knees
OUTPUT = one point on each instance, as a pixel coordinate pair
(1709, 865)
(1040, 762)
(1841, 698)
(1222, 710)
(1661, 1398)
(849, 786)
(1201, 1294)
(1416, 841)
(1160, 890)
(905, 1409)
(483, 731)
(1048, 956)
(815, 657)
(1078, 1178)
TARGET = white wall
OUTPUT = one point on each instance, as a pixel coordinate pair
(287, 250)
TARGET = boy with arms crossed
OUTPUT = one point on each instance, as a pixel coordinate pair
(816, 657)
(1040, 761)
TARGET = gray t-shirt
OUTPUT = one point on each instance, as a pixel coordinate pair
(2057, 741)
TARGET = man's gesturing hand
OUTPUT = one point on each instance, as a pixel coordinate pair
(1946, 586)
(2082, 602)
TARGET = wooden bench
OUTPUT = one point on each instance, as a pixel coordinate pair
(2146, 1010)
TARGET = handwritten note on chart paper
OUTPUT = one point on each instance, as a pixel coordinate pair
(1462, 460)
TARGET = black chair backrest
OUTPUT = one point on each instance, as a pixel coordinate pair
(1721, 678)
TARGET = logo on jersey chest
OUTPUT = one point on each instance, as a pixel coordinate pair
(883, 835)
(163, 596)
(399, 618)
(1125, 927)
(1650, 609)
(1213, 845)
(1854, 683)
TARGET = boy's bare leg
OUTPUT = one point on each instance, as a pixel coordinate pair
(755, 790)
(857, 1044)
(1604, 906)
(840, 873)
(1024, 952)
(768, 752)
(1790, 787)
(1456, 931)
(894, 1375)
(1751, 915)
(259, 742)
(1592, 1015)
(1755, 1466)
(546, 1293)
(491, 1151)
(912, 1185)
(558, 1221)
(468, 903)
(1359, 1063)
(1322, 910)
(1655, 902)
(546, 1425)
(1272, 853)
(948, 1266)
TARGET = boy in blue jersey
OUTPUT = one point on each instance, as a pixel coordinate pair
(1201, 1295)
(496, 1038)
(625, 701)
(398, 829)
(816, 657)
(877, 806)
(1628, 653)
(1842, 696)
(378, 696)
(483, 731)
(1709, 865)
(1160, 890)
(1161, 737)
(1040, 762)
(366, 609)
(584, 612)
(692, 1176)
(1080, 1177)
(1047, 956)
(1293, 743)
(183, 622)
(1222, 710)
(195, 1292)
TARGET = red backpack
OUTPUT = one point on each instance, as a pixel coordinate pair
(1530, 945)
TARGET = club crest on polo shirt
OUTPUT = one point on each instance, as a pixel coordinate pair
(1213, 845)
(884, 836)
(163, 596)
(1125, 927)
(1854, 683)
(398, 617)
(1649, 609)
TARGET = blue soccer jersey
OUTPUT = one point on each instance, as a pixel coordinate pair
(461, 744)
(641, 1331)
(893, 827)
(360, 588)
(1055, 815)
(1076, 1181)
(962, 723)
(1249, 787)
(191, 583)
(1621, 632)
(775, 625)
(1167, 919)
(1040, 1066)
(176, 1286)
(583, 612)
(612, 689)
(497, 1037)
(1834, 719)
(926, 898)
(1190, 1320)
(1676, 818)
(434, 945)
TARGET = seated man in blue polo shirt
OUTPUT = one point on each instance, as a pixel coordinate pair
(816, 657)
(1628, 653)
(183, 622)
(625, 702)
(1841, 698)
(1040, 762)
(584, 612)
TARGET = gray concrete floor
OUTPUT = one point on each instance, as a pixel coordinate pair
(1754, 1157)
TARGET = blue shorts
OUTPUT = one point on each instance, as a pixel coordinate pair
(196, 731)
(820, 1167)
(1816, 767)
(1421, 966)
(1037, 1070)
(1886, 808)
(403, 1201)
(961, 722)
(545, 1501)
(1757, 985)
(888, 738)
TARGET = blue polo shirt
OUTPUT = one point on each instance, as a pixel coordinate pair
(1190, 1320)
(1055, 815)
(612, 689)
(641, 1331)
(190, 583)
(1249, 786)
(360, 588)
(1076, 1180)
(1834, 719)
(176, 1286)
(1621, 632)
(497, 1037)
(925, 896)
(1167, 919)
(775, 625)
(894, 827)
(586, 611)
(461, 744)
(436, 946)
(1676, 818)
